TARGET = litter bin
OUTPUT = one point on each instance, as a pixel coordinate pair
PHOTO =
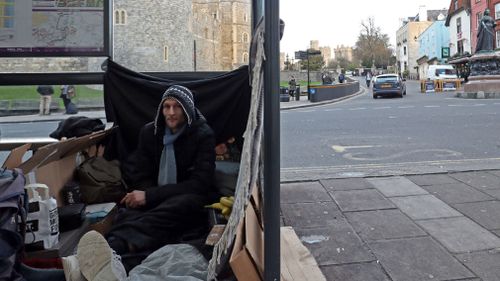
(284, 97)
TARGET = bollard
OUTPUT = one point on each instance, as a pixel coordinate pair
(297, 93)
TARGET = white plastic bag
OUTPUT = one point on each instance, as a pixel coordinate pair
(42, 224)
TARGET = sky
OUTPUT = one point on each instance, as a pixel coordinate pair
(332, 25)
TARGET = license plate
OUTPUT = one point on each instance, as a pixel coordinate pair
(386, 86)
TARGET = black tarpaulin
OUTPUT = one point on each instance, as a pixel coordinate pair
(131, 100)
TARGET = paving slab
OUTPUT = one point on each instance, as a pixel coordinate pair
(397, 186)
(355, 272)
(423, 180)
(484, 264)
(346, 184)
(424, 207)
(304, 192)
(496, 232)
(337, 244)
(486, 213)
(458, 193)
(361, 200)
(383, 224)
(306, 215)
(493, 192)
(461, 234)
(480, 180)
(496, 173)
(418, 259)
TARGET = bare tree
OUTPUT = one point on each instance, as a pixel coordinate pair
(372, 46)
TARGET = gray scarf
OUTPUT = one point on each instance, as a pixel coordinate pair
(168, 169)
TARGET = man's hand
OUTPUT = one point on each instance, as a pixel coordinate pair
(134, 199)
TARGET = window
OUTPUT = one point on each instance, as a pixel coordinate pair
(455, 4)
(497, 11)
(498, 38)
(120, 17)
(404, 50)
(245, 17)
(165, 53)
(245, 37)
(478, 1)
(7, 14)
(459, 25)
(245, 57)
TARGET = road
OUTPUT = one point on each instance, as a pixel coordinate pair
(432, 131)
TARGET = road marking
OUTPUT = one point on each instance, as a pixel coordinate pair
(335, 109)
(357, 108)
(497, 103)
(479, 104)
(340, 148)
(456, 105)
(437, 152)
(392, 117)
(431, 106)
(306, 111)
(409, 106)
(382, 107)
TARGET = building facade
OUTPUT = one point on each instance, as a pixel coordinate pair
(432, 43)
(459, 23)
(407, 46)
(494, 6)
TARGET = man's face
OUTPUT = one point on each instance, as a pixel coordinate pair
(173, 113)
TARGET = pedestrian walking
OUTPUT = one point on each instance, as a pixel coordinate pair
(368, 79)
(67, 93)
(46, 92)
(292, 85)
(341, 77)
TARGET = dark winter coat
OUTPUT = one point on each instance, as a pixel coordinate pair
(194, 156)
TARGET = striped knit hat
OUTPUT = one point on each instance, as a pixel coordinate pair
(184, 97)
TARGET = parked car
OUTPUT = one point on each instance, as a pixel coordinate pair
(388, 84)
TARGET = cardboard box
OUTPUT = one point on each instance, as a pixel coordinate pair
(54, 164)
(247, 257)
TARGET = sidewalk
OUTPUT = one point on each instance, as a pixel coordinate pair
(56, 116)
(304, 102)
(422, 227)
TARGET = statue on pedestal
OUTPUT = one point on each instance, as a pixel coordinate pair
(485, 34)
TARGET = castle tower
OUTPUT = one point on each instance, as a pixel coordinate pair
(153, 35)
(236, 32)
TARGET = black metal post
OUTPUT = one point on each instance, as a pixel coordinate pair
(308, 79)
(194, 55)
(108, 27)
(271, 143)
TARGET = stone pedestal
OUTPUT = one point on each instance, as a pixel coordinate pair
(484, 74)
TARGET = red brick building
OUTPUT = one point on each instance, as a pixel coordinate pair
(477, 8)
(494, 6)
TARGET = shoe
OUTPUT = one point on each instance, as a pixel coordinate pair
(72, 269)
(98, 262)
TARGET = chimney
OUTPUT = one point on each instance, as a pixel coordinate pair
(422, 13)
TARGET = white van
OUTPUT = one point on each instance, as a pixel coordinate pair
(439, 72)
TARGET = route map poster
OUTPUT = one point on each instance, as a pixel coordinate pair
(52, 28)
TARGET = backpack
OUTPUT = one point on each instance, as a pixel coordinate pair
(72, 108)
(13, 210)
(100, 180)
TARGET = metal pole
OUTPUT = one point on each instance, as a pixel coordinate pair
(108, 27)
(308, 79)
(271, 143)
(194, 55)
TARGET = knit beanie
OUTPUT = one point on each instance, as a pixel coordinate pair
(184, 97)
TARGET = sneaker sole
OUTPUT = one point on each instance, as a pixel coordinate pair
(93, 254)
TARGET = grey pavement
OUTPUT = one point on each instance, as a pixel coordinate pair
(399, 228)
(55, 116)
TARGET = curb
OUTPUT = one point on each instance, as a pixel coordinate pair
(325, 102)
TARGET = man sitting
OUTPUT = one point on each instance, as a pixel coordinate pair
(172, 178)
